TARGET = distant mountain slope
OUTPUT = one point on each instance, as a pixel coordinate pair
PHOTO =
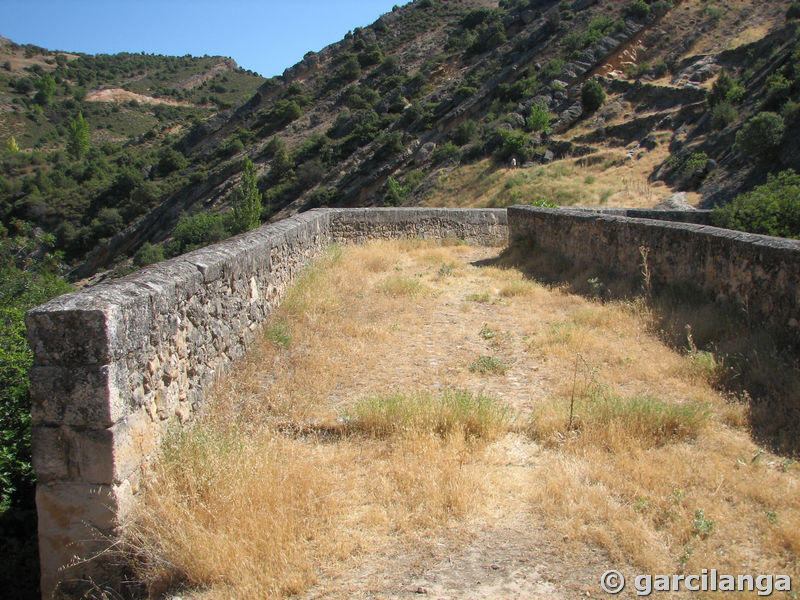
(430, 103)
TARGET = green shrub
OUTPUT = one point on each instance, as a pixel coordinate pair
(465, 132)
(793, 12)
(170, 161)
(540, 117)
(246, 201)
(760, 136)
(445, 152)
(723, 114)
(512, 144)
(350, 70)
(638, 10)
(592, 95)
(769, 209)
(778, 90)
(200, 230)
(695, 162)
(148, 254)
(19, 291)
(725, 89)
(372, 55)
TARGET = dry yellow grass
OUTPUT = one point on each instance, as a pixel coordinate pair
(607, 178)
(338, 438)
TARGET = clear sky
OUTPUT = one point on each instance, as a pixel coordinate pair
(266, 36)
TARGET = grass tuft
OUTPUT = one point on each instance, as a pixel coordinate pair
(473, 415)
(615, 422)
(400, 285)
(488, 364)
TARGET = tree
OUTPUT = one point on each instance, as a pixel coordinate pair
(246, 200)
(78, 137)
(769, 209)
(725, 89)
(592, 95)
(47, 87)
(540, 117)
(12, 145)
(760, 136)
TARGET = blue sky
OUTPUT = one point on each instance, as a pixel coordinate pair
(265, 36)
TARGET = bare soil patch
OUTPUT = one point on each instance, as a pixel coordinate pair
(119, 95)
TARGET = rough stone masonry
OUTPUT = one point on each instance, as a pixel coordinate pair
(117, 364)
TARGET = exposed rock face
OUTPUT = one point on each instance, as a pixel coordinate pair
(675, 202)
(698, 72)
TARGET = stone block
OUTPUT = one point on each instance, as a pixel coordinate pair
(76, 522)
(78, 396)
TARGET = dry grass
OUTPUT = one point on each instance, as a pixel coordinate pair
(341, 436)
(607, 178)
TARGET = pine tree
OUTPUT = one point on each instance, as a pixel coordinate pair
(78, 137)
(47, 87)
(246, 200)
(12, 145)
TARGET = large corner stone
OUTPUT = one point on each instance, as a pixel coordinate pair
(76, 524)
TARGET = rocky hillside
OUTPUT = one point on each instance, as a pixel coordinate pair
(613, 102)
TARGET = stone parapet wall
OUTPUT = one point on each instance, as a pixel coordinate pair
(486, 227)
(759, 274)
(699, 217)
(117, 364)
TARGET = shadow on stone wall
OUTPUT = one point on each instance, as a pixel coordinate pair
(759, 366)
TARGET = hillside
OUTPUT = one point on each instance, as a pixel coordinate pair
(136, 107)
(427, 105)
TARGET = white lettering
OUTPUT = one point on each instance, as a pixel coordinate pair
(748, 579)
(644, 585)
(661, 583)
(693, 583)
(764, 585)
(783, 583)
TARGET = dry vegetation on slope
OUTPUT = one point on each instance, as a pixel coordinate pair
(402, 429)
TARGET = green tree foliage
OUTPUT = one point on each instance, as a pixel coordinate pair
(540, 117)
(444, 153)
(169, 161)
(350, 69)
(793, 12)
(193, 232)
(725, 89)
(465, 132)
(723, 114)
(639, 9)
(769, 209)
(78, 137)
(12, 145)
(281, 167)
(47, 87)
(395, 193)
(148, 254)
(592, 95)
(246, 201)
(760, 136)
(19, 291)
